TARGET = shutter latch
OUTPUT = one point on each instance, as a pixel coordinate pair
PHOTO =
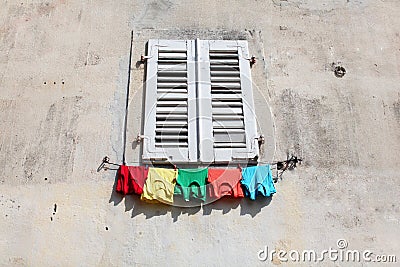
(139, 138)
(261, 140)
(143, 59)
(252, 61)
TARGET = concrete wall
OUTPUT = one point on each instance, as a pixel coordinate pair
(63, 76)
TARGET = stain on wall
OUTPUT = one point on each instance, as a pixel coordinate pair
(56, 142)
(310, 127)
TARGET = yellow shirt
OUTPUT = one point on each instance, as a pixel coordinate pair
(159, 185)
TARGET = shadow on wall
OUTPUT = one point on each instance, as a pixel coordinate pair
(137, 206)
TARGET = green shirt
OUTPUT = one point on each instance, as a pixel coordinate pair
(191, 183)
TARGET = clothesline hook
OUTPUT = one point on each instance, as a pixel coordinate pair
(105, 160)
(252, 61)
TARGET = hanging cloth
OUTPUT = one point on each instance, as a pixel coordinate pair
(131, 179)
(122, 186)
(159, 185)
(191, 183)
(257, 180)
(138, 176)
(224, 182)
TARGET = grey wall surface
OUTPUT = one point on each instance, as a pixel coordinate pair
(63, 76)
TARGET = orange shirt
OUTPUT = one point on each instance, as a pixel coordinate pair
(224, 182)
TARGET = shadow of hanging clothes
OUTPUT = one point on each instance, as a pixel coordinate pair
(247, 206)
(252, 208)
(115, 198)
(149, 210)
(226, 204)
(177, 211)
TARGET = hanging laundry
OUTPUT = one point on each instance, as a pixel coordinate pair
(257, 180)
(131, 179)
(191, 183)
(122, 180)
(138, 176)
(224, 182)
(159, 186)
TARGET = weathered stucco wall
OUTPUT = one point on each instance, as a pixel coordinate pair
(63, 76)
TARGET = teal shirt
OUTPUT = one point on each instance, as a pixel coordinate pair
(257, 180)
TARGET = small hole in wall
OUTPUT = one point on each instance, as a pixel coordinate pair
(45, 178)
(62, 82)
(106, 228)
(54, 82)
(44, 83)
(339, 71)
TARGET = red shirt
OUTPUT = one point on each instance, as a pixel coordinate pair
(131, 179)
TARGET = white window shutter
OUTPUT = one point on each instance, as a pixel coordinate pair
(226, 106)
(170, 105)
(199, 103)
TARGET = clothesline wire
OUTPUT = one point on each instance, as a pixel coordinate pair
(168, 163)
(280, 164)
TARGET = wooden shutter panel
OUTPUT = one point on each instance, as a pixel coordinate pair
(226, 106)
(170, 105)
